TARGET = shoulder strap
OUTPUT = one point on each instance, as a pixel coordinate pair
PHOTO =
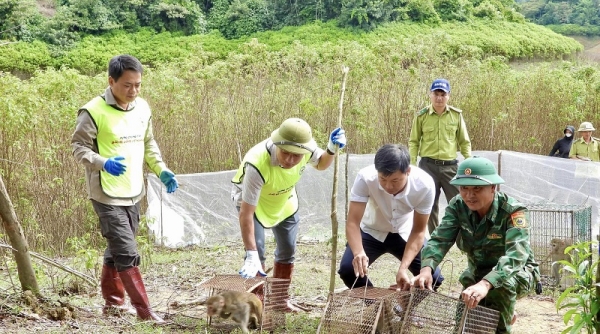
(455, 109)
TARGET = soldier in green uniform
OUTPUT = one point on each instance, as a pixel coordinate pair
(494, 234)
(438, 130)
(586, 147)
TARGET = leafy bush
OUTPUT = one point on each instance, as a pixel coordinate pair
(18, 19)
(575, 30)
(237, 18)
(177, 16)
(488, 9)
(367, 14)
(581, 301)
(422, 11)
(454, 10)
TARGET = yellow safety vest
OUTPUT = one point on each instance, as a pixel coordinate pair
(278, 199)
(121, 133)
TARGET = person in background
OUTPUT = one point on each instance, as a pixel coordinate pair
(264, 192)
(562, 147)
(113, 139)
(437, 131)
(586, 147)
(494, 234)
(390, 203)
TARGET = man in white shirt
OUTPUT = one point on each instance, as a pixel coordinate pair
(390, 203)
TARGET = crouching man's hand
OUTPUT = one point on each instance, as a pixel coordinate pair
(424, 280)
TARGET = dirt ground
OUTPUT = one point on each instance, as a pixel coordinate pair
(174, 280)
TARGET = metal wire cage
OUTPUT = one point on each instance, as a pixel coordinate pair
(272, 291)
(384, 311)
(550, 221)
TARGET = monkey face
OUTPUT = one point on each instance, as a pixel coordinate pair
(555, 244)
(214, 305)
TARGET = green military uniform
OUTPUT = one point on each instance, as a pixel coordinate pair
(497, 245)
(582, 149)
(436, 138)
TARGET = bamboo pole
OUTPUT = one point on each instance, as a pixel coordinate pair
(334, 222)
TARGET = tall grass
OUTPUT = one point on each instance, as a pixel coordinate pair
(208, 113)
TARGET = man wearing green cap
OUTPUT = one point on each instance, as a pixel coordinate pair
(438, 130)
(265, 195)
(493, 230)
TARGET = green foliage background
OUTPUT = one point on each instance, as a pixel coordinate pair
(246, 86)
(566, 17)
(66, 21)
(451, 40)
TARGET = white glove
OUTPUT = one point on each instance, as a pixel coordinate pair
(337, 140)
(252, 266)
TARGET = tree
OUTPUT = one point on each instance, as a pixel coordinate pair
(19, 243)
(453, 10)
(18, 18)
(177, 15)
(240, 17)
(367, 14)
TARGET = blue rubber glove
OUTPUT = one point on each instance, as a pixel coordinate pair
(114, 166)
(168, 179)
(252, 266)
(337, 140)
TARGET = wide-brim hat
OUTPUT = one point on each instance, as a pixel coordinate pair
(476, 171)
(586, 126)
(294, 135)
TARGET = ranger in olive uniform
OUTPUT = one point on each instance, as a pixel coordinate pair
(437, 132)
(494, 233)
(586, 147)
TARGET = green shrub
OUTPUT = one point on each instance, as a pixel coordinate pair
(177, 16)
(454, 10)
(581, 300)
(237, 18)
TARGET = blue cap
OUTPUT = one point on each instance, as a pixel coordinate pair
(441, 84)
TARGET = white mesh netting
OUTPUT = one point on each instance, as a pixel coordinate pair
(201, 210)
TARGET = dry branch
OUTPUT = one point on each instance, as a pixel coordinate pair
(51, 262)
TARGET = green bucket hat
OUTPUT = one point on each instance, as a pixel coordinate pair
(476, 171)
(295, 136)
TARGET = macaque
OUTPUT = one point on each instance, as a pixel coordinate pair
(557, 253)
(237, 305)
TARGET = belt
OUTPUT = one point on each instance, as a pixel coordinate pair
(440, 162)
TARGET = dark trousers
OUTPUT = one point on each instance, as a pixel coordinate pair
(441, 174)
(119, 225)
(393, 244)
